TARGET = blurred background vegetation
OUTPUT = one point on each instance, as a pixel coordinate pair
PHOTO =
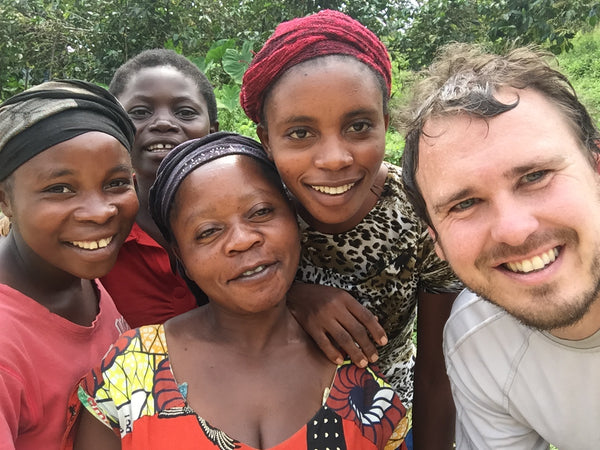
(89, 39)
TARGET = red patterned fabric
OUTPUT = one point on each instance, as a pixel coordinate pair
(134, 392)
(325, 33)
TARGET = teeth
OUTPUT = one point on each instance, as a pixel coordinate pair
(333, 190)
(247, 273)
(92, 245)
(154, 147)
(535, 263)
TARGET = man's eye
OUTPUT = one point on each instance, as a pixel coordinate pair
(465, 204)
(534, 176)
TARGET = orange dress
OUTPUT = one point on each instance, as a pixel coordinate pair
(134, 392)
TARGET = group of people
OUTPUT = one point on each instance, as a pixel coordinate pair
(168, 285)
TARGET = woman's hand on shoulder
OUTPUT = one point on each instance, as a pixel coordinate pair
(337, 322)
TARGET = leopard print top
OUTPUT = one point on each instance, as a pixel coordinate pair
(382, 262)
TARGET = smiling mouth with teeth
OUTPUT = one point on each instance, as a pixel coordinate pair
(160, 147)
(92, 245)
(250, 272)
(536, 263)
(333, 190)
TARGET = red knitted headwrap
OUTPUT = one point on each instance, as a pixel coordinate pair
(325, 33)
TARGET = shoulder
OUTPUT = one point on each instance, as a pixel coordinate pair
(480, 331)
(472, 317)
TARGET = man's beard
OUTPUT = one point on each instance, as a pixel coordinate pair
(553, 312)
(545, 311)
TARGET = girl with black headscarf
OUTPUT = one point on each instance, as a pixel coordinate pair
(66, 186)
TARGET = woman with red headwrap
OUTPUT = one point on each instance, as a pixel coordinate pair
(319, 91)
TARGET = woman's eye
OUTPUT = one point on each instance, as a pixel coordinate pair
(139, 113)
(119, 183)
(359, 127)
(299, 134)
(262, 212)
(187, 113)
(58, 189)
(204, 234)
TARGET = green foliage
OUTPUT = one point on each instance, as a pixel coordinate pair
(546, 22)
(582, 66)
(434, 23)
(497, 23)
(89, 39)
(394, 145)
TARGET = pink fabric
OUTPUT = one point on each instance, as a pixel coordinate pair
(143, 285)
(42, 358)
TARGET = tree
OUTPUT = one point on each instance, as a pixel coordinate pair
(498, 23)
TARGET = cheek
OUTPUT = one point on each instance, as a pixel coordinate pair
(290, 167)
(196, 129)
(460, 243)
(129, 204)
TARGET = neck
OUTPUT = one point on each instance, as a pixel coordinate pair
(252, 334)
(23, 269)
(62, 293)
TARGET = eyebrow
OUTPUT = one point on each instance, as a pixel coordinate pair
(58, 173)
(347, 116)
(443, 204)
(149, 98)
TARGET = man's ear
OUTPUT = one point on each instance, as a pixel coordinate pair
(214, 127)
(436, 243)
(263, 135)
(597, 162)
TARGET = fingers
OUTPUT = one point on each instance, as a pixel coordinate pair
(347, 335)
(337, 322)
(326, 345)
(369, 321)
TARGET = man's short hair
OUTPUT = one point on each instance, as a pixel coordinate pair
(464, 78)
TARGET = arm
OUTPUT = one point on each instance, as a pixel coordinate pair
(94, 435)
(433, 407)
(336, 321)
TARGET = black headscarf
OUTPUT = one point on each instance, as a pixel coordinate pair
(54, 112)
(187, 157)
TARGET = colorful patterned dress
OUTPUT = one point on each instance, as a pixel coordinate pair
(134, 392)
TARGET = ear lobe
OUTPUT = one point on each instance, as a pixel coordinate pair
(214, 127)
(263, 135)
